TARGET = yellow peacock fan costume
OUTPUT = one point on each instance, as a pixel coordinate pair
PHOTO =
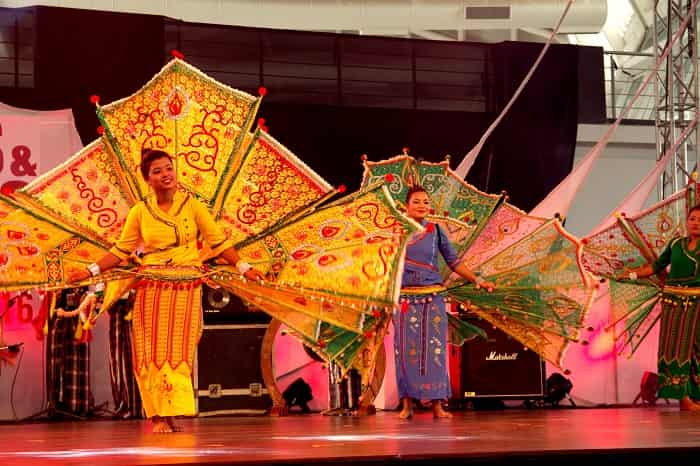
(332, 268)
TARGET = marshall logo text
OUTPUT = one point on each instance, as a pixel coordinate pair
(494, 356)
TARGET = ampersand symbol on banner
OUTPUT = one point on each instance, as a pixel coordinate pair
(22, 166)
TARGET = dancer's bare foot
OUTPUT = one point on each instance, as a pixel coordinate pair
(406, 408)
(366, 410)
(439, 412)
(687, 404)
(175, 427)
(160, 426)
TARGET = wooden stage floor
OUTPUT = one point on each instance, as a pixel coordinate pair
(539, 436)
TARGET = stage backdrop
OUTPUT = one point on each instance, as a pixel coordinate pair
(332, 97)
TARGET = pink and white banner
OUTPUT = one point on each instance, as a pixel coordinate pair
(31, 143)
(19, 147)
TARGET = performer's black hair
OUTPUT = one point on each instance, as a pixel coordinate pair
(147, 158)
(413, 190)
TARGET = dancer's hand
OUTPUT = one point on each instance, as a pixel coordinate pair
(78, 275)
(488, 286)
(254, 275)
(626, 275)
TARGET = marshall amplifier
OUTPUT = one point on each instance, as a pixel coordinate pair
(499, 367)
(222, 307)
(227, 376)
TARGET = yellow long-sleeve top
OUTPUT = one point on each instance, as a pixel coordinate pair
(170, 238)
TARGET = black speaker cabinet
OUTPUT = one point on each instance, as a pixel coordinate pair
(228, 378)
(500, 367)
(223, 307)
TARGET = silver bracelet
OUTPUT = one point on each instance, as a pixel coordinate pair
(243, 267)
(94, 269)
(633, 276)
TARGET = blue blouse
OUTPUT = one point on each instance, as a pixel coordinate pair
(421, 263)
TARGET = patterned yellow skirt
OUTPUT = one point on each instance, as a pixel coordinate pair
(167, 325)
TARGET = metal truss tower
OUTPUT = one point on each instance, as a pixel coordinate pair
(676, 91)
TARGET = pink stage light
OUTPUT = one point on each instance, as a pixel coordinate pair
(602, 344)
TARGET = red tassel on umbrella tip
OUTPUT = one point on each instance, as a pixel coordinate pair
(95, 99)
(100, 130)
(261, 121)
(177, 54)
(262, 91)
(405, 150)
(389, 177)
(342, 188)
(266, 129)
(363, 157)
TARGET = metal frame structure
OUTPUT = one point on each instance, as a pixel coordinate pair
(676, 92)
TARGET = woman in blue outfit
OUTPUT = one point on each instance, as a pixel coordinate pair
(420, 337)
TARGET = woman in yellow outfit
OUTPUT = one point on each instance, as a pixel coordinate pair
(167, 320)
